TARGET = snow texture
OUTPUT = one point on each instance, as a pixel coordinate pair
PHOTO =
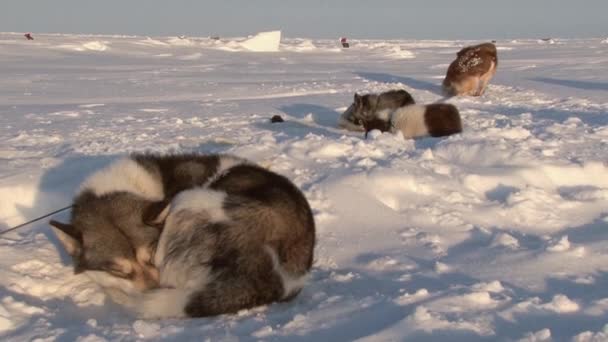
(498, 233)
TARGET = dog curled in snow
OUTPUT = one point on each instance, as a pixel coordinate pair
(473, 68)
(234, 236)
(108, 237)
(413, 121)
(244, 240)
(365, 107)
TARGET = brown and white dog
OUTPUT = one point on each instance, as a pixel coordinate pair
(473, 68)
(414, 121)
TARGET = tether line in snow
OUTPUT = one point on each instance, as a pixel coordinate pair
(34, 220)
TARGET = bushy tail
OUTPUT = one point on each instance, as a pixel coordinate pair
(291, 284)
(232, 290)
(247, 288)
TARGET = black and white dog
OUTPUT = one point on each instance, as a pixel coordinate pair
(416, 121)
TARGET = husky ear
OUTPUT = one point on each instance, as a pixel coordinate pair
(357, 99)
(69, 236)
(156, 213)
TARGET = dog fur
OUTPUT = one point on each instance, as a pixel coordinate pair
(366, 106)
(415, 121)
(472, 70)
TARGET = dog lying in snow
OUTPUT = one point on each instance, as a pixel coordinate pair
(234, 235)
(415, 121)
(473, 68)
(365, 106)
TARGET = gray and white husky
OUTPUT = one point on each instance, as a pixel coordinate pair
(366, 106)
(413, 121)
(232, 229)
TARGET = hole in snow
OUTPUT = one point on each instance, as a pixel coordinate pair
(501, 193)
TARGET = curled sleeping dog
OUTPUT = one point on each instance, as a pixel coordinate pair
(366, 106)
(243, 238)
(413, 121)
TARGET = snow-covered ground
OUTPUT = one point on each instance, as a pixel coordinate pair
(498, 233)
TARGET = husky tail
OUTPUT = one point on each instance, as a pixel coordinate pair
(229, 292)
(242, 288)
(220, 297)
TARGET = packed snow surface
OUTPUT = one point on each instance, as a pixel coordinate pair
(498, 233)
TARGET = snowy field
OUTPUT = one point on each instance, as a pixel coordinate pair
(498, 233)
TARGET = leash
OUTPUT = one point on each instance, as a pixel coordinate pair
(34, 220)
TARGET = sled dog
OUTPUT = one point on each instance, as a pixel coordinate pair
(470, 73)
(234, 235)
(415, 121)
(365, 106)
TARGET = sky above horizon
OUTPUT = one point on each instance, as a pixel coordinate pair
(388, 19)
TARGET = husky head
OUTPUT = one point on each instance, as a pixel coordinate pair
(102, 251)
(371, 106)
(364, 107)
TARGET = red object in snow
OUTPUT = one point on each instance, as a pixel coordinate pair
(28, 36)
(344, 42)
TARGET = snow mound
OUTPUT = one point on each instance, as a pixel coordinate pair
(539, 336)
(303, 45)
(263, 42)
(398, 53)
(424, 320)
(181, 41)
(559, 246)
(547, 41)
(23, 196)
(95, 45)
(191, 57)
(391, 50)
(151, 42)
(589, 336)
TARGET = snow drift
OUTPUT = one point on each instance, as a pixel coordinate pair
(263, 42)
